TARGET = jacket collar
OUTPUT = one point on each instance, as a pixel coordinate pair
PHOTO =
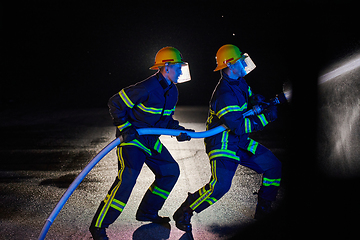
(162, 81)
(232, 81)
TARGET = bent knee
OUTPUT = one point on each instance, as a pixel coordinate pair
(273, 160)
(275, 165)
(170, 171)
(174, 170)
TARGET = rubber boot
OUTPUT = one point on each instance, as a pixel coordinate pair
(263, 208)
(182, 216)
(149, 208)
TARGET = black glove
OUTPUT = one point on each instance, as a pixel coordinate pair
(270, 113)
(183, 136)
(129, 134)
(257, 99)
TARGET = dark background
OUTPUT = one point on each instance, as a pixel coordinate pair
(72, 54)
(78, 54)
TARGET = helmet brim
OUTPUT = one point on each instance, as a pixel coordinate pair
(223, 65)
(156, 66)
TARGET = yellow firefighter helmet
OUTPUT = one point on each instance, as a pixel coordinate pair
(167, 55)
(227, 54)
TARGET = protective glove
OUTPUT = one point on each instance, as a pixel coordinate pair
(270, 113)
(184, 136)
(257, 99)
(129, 134)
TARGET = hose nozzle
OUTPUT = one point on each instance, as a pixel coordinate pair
(280, 98)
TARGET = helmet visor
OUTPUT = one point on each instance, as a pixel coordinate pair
(247, 63)
(185, 73)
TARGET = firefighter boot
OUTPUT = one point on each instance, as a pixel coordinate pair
(149, 208)
(183, 215)
(263, 208)
(151, 217)
(98, 233)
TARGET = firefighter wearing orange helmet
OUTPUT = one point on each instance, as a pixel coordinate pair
(149, 103)
(226, 150)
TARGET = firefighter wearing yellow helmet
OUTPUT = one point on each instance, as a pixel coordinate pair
(171, 56)
(167, 55)
(229, 55)
(226, 150)
(149, 103)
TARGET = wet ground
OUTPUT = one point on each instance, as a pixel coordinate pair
(45, 151)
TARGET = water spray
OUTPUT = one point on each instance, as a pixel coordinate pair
(345, 68)
(280, 98)
(104, 152)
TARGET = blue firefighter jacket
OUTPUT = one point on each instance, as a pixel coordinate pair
(147, 104)
(228, 102)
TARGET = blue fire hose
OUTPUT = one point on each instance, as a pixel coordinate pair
(106, 150)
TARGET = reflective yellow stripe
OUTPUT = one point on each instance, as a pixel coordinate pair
(123, 126)
(269, 182)
(110, 197)
(158, 146)
(150, 109)
(138, 144)
(250, 92)
(234, 108)
(206, 195)
(225, 139)
(118, 205)
(202, 190)
(223, 153)
(252, 146)
(158, 191)
(213, 173)
(210, 118)
(126, 99)
(247, 125)
(155, 110)
(211, 200)
(263, 120)
(169, 112)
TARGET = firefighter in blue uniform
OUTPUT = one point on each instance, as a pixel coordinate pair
(231, 98)
(147, 104)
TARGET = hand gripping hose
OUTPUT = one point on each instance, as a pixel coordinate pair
(106, 150)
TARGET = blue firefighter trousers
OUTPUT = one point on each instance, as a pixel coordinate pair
(131, 160)
(222, 173)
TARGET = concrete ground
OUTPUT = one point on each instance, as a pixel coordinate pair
(45, 151)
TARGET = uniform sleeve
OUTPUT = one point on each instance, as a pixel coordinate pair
(228, 110)
(121, 104)
(174, 124)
